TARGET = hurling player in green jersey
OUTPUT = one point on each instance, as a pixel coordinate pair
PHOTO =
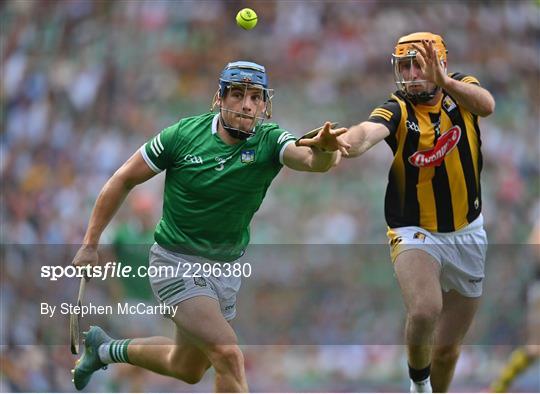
(218, 168)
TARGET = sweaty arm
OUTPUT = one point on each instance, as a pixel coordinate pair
(469, 94)
(133, 172)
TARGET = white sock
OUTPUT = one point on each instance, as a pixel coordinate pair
(424, 386)
(104, 353)
(114, 351)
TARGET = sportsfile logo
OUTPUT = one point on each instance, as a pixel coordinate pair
(434, 157)
(114, 269)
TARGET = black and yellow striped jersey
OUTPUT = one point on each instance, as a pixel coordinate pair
(434, 180)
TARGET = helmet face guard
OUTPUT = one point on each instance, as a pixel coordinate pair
(404, 58)
(243, 75)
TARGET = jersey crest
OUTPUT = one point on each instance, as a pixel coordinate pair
(247, 156)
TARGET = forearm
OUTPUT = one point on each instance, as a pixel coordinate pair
(109, 200)
(357, 138)
(473, 98)
(322, 161)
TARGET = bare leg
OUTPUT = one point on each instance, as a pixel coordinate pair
(181, 360)
(203, 338)
(456, 318)
(200, 321)
(418, 276)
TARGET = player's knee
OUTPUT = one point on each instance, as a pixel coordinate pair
(227, 358)
(188, 375)
(446, 354)
(425, 315)
(184, 369)
(193, 378)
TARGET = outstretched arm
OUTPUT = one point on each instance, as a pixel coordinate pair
(317, 154)
(473, 98)
(363, 136)
(133, 172)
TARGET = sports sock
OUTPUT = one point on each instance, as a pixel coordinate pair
(114, 351)
(420, 382)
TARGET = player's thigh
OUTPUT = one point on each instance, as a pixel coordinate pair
(418, 275)
(456, 318)
(199, 320)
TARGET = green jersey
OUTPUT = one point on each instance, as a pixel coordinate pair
(212, 190)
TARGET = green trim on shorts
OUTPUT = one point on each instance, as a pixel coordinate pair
(164, 292)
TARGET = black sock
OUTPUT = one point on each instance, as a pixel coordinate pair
(417, 375)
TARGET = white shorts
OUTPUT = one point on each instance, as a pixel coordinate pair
(173, 289)
(461, 254)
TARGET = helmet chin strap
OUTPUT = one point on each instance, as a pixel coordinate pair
(232, 131)
(424, 97)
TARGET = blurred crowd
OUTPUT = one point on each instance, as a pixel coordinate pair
(85, 83)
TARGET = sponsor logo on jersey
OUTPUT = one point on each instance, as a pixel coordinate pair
(221, 162)
(193, 159)
(411, 126)
(435, 156)
(247, 156)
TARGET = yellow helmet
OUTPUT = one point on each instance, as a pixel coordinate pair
(404, 53)
(404, 44)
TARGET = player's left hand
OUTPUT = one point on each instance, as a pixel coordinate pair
(428, 60)
(328, 139)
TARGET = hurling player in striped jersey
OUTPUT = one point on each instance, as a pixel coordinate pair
(218, 168)
(433, 204)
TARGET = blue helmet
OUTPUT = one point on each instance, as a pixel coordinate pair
(243, 72)
(251, 75)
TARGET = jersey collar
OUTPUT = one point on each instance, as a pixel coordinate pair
(215, 126)
(215, 123)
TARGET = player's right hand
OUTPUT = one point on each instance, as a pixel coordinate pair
(327, 139)
(86, 255)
